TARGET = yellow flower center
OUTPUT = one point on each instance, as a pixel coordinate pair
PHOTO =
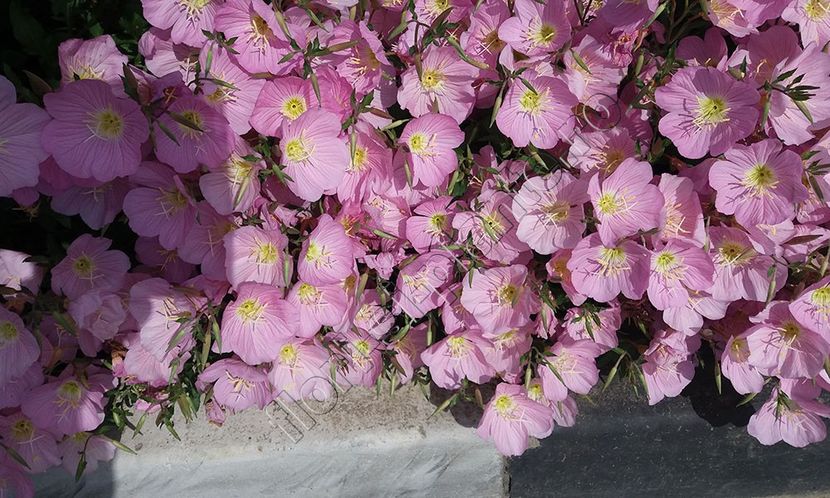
(362, 346)
(419, 144)
(821, 296)
(172, 201)
(294, 107)
(816, 10)
(612, 261)
(492, 225)
(508, 294)
(543, 36)
(83, 266)
(734, 253)
(438, 6)
(609, 204)
(250, 310)
(431, 79)
(790, 331)
(22, 430)
(359, 159)
(504, 405)
(665, 261)
(108, 124)
(296, 150)
(266, 253)
(436, 223)
(8, 333)
(459, 347)
(308, 294)
(86, 73)
(288, 354)
(711, 111)
(260, 27)
(194, 7)
(191, 116)
(69, 393)
(532, 102)
(760, 179)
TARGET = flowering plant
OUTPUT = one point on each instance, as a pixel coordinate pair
(269, 201)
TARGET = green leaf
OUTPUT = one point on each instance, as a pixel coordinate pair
(749, 397)
(613, 372)
(184, 121)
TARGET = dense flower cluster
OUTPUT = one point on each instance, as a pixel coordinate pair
(425, 191)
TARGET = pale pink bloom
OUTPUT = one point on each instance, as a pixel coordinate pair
(812, 18)
(570, 366)
(445, 85)
(735, 365)
(602, 272)
(627, 15)
(625, 202)
(372, 316)
(709, 51)
(538, 111)
(549, 211)
(361, 354)
(259, 41)
(14, 479)
(256, 323)
(235, 185)
(492, 227)
(688, 318)
(95, 59)
(511, 417)
(236, 92)
(186, 20)
(547, 325)
(142, 366)
(370, 159)
(740, 271)
(97, 203)
(207, 138)
(668, 367)
(318, 306)
(160, 205)
(430, 140)
(601, 150)
(536, 29)
(18, 347)
(499, 298)
(600, 327)
(36, 446)
(596, 86)
(797, 422)
(481, 40)
(163, 57)
(742, 17)
(301, 371)
(281, 101)
(164, 316)
(430, 225)
(21, 150)
(313, 154)
(681, 215)
(780, 346)
(812, 308)
(408, 351)
(558, 272)
(326, 256)
(94, 448)
(89, 265)
(255, 255)
(236, 386)
(98, 313)
(707, 111)
(162, 262)
(67, 405)
(785, 117)
(505, 352)
(94, 134)
(454, 316)
(367, 68)
(419, 285)
(14, 390)
(456, 357)
(205, 244)
(759, 184)
(17, 273)
(677, 268)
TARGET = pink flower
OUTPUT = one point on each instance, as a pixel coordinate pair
(14, 478)
(301, 371)
(603, 271)
(759, 184)
(255, 255)
(735, 365)
(161, 313)
(202, 135)
(318, 306)
(445, 85)
(740, 271)
(709, 51)
(511, 417)
(313, 154)
(538, 111)
(160, 206)
(549, 211)
(456, 357)
(259, 41)
(408, 351)
(370, 161)
(36, 446)
(430, 140)
(89, 265)
(67, 405)
(142, 366)
(812, 308)
(94, 448)
(676, 269)
(362, 361)
(97, 203)
(570, 366)
(21, 150)
(18, 347)
(186, 20)
(98, 313)
(812, 18)
(372, 316)
(17, 273)
(236, 386)
(430, 226)
(238, 91)
(499, 298)
(163, 57)
(668, 367)
(94, 134)
(257, 323)
(780, 346)
(419, 285)
(481, 40)
(492, 227)
(326, 256)
(688, 318)
(794, 421)
(281, 101)
(602, 150)
(13, 391)
(600, 327)
(681, 215)
(235, 185)
(708, 111)
(536, 29)
(95, 59)
(367, 68)
(625, 202)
